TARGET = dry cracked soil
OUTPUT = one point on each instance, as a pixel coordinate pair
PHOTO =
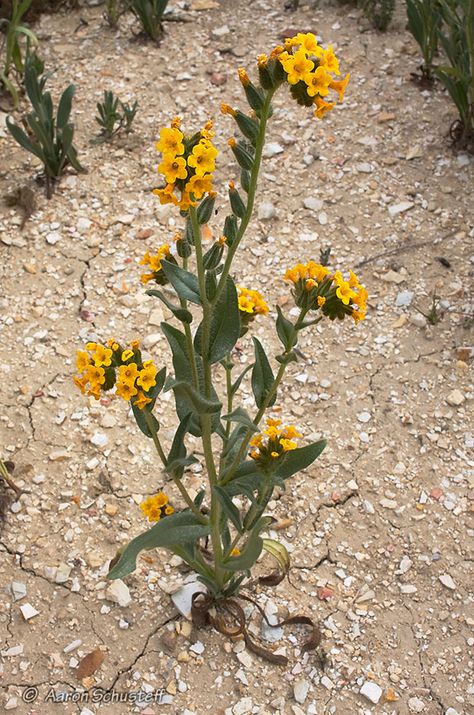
(379, 529)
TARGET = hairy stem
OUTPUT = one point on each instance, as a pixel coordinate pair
(182, 489)
(259, 144)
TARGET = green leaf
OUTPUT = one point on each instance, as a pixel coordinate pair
(238, 382)
(178, 448)
(252, 549)
(298, 459)
(279, 552)
(286, 330)
(64, 107)
(262, 376)
(228, 507)
(183, 372)
(225, 323)
(246, 484)
(177, 529)
(185, 283)
(201, 404)
(181, 313)
(141, 421)
(22, 139)
(241, 416)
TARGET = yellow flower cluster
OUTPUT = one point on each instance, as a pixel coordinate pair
(187, 165)
(154, 263)
(273, 442)
(316, 287)
(101, 367)
(157, 506)
(310, 70)
(251, 302)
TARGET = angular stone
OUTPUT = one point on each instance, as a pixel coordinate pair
(447, 581)
(455, 398)
(371, 691)
(118, 592)
(400, 208)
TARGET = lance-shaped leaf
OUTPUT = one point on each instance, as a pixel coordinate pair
(177, 529)
(139, 414)
(238, 381)
(279, 553)
(181, 313)
(252, 549)
(225, 325)
(242, 417)
(228, 507)
(202, 405)
(185, 283)
(262, 376)
(300, 458)
(285, 330)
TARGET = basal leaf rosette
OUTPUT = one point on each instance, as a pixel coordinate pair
(316, 288)
(102, 367)
(187, 165)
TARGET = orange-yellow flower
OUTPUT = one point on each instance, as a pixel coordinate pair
(317, 82)
(203, 156)
(199, 185)
(340, 86)
(171, 141)
(82, 360)
(296, 66)
(126, 390)
(322, 107)
(173, 168)
(329, 60)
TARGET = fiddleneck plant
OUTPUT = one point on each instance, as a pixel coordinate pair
(246, 455)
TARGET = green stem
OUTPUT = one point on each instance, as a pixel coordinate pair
(206, 424)
(189, 338)
(271, 393)
(183, 491)
(259, 144)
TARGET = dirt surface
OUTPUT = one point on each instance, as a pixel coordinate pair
(380, 528)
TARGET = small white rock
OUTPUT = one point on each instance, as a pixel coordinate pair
(28, 611)
(300, 690)
(415, 705)
(272, 149)
(243, 706)
(72, 646)
(266, 211)
(396, 209)
(364, 416)
(405, 564)
(447, 581)
(455, 398)
(17, 590)
(99, 439)
(313, 204)
(371, 691)
(197, 648)
(118, 592)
